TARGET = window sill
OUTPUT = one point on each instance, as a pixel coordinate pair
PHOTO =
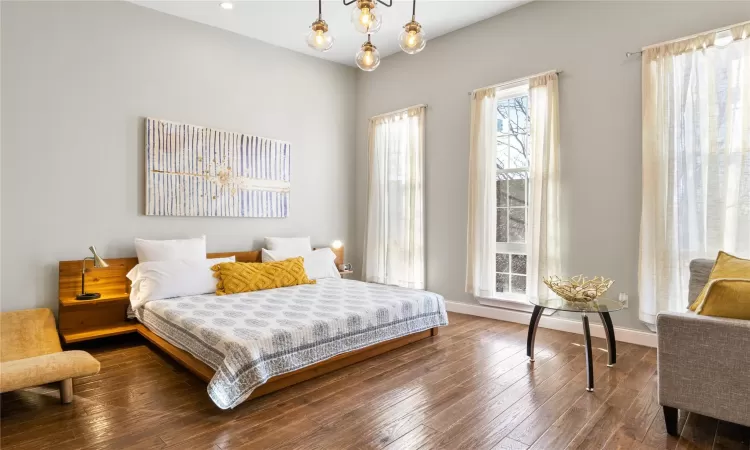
(517, 303)
(512, 302)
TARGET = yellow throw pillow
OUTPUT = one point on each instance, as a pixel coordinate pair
(726, 266)
(235, 277)
(727, 298)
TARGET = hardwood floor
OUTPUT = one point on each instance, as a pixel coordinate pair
(471, 387)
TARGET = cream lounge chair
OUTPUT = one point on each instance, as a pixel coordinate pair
(30, 354)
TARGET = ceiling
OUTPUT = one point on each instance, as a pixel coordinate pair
(286, 23)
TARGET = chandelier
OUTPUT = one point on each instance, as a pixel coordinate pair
(367, 21)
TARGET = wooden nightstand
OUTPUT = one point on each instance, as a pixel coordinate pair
(82, 320)
(345, 272)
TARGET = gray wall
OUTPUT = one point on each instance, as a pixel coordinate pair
(77, 80)
(600, 101)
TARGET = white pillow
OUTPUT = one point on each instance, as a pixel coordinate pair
(170, 250)
(318, 264)
(289, 246)
(155, 280)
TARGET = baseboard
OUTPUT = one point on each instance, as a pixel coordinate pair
(556, 323)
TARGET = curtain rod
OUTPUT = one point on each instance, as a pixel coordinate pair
(421, 105)
(715, 30)
(517, 80)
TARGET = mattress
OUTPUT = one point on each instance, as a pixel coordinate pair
(248, 338)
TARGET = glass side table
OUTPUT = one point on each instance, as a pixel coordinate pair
(602, 306)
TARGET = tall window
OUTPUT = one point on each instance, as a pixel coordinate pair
(513, 238)
(696, 161)
(394, 238)
(512, 165)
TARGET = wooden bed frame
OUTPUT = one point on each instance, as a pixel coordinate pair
(80, 320)
(205, 372)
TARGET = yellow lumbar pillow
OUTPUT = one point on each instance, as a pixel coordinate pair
(728, 297)
(235, 277)
(726, 266)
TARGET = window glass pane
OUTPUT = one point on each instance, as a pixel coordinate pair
(513, 132)
(517, 192)
(517, 152)
(518, 264)
(501, 160)
(516, 225)
(501, 262)
(501, 282)
(518, 284)
(502, 225)
(502, 193)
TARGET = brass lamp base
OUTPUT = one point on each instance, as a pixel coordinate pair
(88, 296)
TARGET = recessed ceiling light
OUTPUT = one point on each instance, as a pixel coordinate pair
(226, 5)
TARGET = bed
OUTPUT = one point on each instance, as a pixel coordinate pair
(251, 344)
(250, 338)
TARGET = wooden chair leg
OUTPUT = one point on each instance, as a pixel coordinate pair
(670, 419)
(66, 390)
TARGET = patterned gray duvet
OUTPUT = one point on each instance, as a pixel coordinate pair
(251, 337)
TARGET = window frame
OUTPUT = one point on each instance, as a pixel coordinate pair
(513, 248)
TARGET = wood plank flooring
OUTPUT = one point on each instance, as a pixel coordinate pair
(471, 387)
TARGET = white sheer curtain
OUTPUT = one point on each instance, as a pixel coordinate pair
(480, 259)
(394, 237)
(543, 223)
(696, 161)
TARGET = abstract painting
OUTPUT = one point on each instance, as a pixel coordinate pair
(199, 171)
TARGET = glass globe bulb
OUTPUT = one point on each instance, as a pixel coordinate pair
(368, 58)
(366, 20)
(319, 40)
(411, 41)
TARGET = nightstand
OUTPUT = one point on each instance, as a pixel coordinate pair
(82, 320)
(344, 273)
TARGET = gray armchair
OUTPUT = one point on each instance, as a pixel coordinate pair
(703, 361)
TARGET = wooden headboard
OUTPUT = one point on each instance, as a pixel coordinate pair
(112, 281)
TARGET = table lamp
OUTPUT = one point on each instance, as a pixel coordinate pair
(98, 263)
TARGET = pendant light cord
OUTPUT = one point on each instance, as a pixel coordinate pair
(413, 10)
(320, 9)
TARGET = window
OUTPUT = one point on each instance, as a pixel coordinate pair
(513, 240)
(512, 172)
(394, 237)
(696, 159)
